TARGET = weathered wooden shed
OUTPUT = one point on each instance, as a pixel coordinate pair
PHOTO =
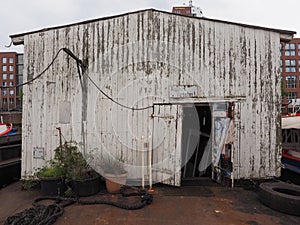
(191, 97)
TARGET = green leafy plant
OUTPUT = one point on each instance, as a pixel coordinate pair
(31, 182)
(53, 170)
(75, 163)
(68, 163)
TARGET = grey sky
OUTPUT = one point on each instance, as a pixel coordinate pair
(18, 16)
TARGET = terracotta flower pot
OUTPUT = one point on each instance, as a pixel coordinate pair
(114, 182)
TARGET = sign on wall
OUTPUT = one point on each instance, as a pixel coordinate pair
(184, 91)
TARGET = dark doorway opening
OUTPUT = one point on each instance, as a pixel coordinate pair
(196, 143)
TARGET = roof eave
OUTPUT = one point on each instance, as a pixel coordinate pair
(17, 40)
(285, 35)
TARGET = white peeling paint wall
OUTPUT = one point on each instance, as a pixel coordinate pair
(136, 59)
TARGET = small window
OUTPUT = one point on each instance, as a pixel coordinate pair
(291, 82)
(290, 49)
(20, 69)
(290, 66)
(4, 76)
(4, 68)
(4, 60)
(11, 100)
(4, 100)
(11, 76)
(287, 62)
(4, 84)
(4, 92)
(287, 46)
(292, 46)
(11, 92)
(20, 58)
(292, 95)
(11, 60)
(11, 68)
(11, 84)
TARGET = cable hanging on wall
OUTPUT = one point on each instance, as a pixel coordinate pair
(124, 106)
(81, 73)
(38, 76)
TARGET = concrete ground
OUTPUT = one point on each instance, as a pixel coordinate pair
(187, 205)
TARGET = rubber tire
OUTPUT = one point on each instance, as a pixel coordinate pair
(284, 202)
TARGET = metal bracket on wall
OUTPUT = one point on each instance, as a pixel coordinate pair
(163, 116)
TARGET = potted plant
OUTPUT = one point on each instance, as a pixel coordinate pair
(83, 180)
(52, 179)
(68, 169)
(114, 173)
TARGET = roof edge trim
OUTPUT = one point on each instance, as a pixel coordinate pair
(18, 39)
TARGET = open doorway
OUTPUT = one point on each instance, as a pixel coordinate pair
(196, 143)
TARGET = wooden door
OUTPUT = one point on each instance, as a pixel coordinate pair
(167, 130)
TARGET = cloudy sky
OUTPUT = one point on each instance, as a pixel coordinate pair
(18, 16)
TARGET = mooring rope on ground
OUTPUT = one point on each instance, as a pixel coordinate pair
(46, 215)
(37, 215)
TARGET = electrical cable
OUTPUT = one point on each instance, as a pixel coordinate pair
(82, 73)
(120, 104)
(83, 67)
(8, 46)
(38, 76)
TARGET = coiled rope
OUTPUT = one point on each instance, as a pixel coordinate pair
(46, 215)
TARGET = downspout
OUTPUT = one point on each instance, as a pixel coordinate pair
(84, 88)
(82, 68)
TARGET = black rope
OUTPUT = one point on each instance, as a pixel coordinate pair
(145, 199)
(46, 215)
(37, 215)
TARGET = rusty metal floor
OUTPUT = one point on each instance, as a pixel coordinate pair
(219, 205)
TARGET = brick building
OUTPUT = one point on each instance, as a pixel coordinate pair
(290, 69)
(188, 10)
(11, 70)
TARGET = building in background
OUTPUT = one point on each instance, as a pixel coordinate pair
(290, 70)
(189, 10)
(11, 73)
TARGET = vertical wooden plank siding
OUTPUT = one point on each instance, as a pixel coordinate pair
(167, 120)
(136, 59)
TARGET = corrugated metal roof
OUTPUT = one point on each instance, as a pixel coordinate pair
(16, 37)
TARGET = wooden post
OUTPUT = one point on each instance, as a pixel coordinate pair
(143, 163)
(150, 162)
